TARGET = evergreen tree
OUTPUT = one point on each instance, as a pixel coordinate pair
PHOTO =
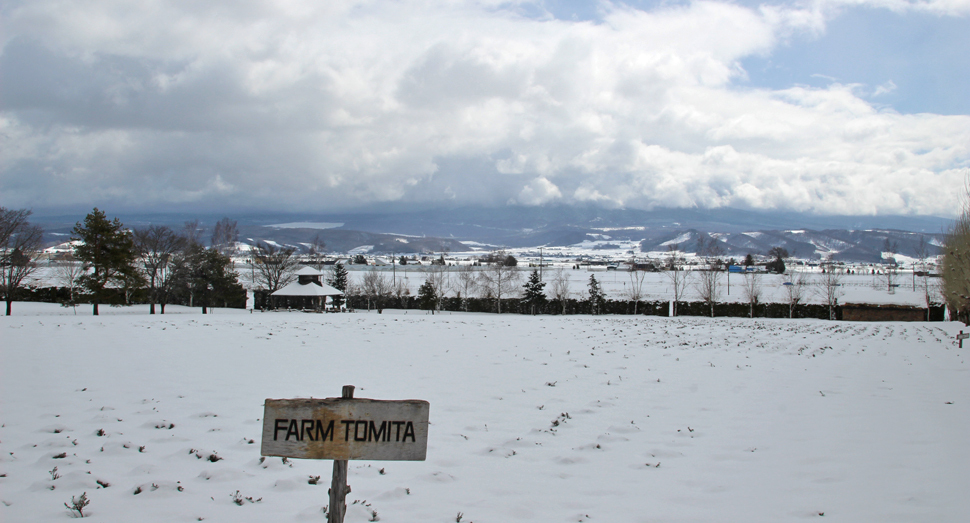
(428, 296)
(108, 250)
(534, 295)
(210, 278)
(338, 281)
(596, 296)
(777, 265)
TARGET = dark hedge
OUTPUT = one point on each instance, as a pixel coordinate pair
(572, 306)
(237, 299)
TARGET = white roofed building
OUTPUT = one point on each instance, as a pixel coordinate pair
(307, 292)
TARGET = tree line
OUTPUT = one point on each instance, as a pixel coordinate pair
(159, 265)
(111, 264)
(169, 266)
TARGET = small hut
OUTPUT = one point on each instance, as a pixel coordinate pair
(307, 292)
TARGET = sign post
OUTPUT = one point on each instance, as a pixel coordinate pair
(961, 337)
(338, 483)
(343, 429)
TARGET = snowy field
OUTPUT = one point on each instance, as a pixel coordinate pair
(551, 419)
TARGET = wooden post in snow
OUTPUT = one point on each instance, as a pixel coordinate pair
(338, 486)
(343, 429)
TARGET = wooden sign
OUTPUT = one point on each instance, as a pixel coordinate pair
(345, 429)
(961, 337)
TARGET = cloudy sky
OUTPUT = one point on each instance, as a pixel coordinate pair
(827, 106)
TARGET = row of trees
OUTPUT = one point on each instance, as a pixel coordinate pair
(499, 282)
(173, 266)
(170, 265)
(709, 286)
(111, 264)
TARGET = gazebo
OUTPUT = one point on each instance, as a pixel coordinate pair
(307, 292)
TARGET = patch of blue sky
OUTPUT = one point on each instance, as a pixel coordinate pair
(909, 62)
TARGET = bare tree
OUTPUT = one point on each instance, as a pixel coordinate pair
(377, 288)
(892, 276)
(192, 231)
(794, 283)
(679, 278)
(922, 253)
(702, 245)
(499, 280)
(66, 274)
(560, 287)
(890, 248)
(679, 282)
(955, 269)
(635, 292)
(20, 244)
(157, 246)
(172, 279)
(752, 290)
(711, 249)
(708, 282)
(275, 266)
(708, 286)
(317, 249)
(368, 286)
(353, 290)
(466, 281)
(829, 287)
(437, 275)
(401, 291)
(224, 236)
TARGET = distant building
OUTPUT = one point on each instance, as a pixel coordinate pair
(307, 292)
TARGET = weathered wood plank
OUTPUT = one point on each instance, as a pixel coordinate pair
(345, 429)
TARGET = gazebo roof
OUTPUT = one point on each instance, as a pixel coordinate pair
(307, 289)
(308, 271)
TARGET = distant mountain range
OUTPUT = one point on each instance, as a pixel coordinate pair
(739, 232)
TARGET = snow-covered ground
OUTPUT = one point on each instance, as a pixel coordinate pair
(532, 418)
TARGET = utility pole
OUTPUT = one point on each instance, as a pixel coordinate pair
(540, 263)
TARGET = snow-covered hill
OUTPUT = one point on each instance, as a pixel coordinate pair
(845, 238)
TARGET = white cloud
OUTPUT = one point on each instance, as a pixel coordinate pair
(329, 105)
(937, 7)
(538, 192)
(885, 88)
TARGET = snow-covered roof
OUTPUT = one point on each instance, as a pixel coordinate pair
(308, 271)
(307, 289)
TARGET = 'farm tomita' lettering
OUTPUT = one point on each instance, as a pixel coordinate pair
(346, 429)
(360, 430)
